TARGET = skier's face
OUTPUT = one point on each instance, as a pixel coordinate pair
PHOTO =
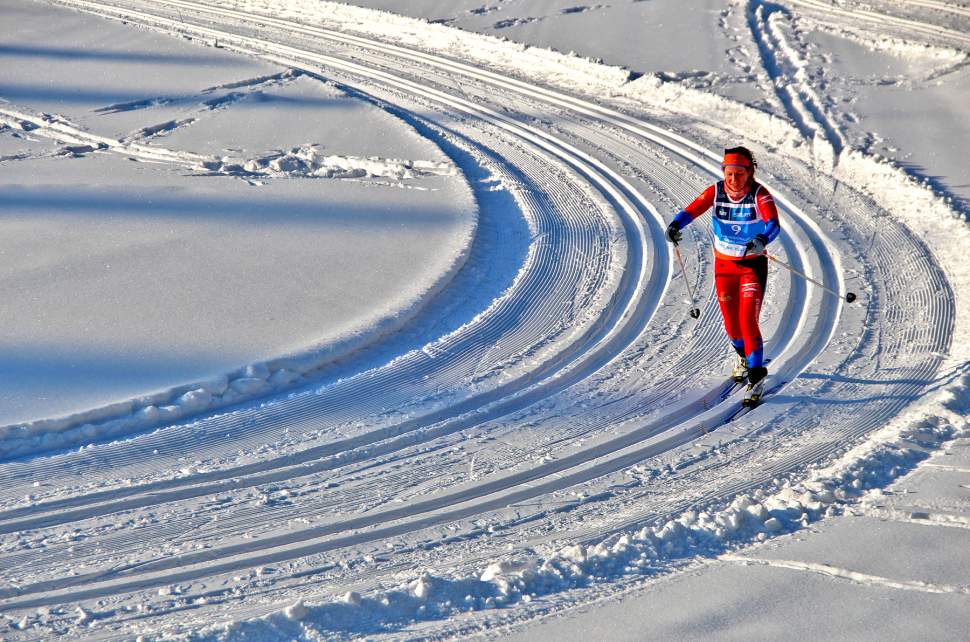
(736, 178)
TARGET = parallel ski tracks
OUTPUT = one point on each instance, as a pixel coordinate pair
(618, 330)
(634, 286)
(921, 288)
(804, 106)
(71, 134)
(317, 454)
(526, 311)
(882, 19)
(948, 7)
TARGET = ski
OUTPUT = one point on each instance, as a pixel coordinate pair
(744, 409)
(730, 387)
(754, 393)
(740, 371)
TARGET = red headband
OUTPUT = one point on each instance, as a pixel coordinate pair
(736, 159)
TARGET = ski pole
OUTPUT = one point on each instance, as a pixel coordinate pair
(695, 312)
(849, 296)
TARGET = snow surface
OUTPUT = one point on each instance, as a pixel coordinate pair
(170, 256)
(717, 604)
(551, 433)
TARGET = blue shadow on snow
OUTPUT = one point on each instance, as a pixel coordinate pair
(101, 55)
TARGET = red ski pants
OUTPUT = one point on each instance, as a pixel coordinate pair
(740, 290)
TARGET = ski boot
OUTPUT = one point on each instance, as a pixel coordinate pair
(740, 371)
(756, 386)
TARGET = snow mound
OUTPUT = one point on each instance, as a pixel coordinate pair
(307, 161)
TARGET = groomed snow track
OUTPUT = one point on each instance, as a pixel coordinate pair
(519, 422)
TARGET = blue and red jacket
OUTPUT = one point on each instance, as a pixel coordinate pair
(735, 222)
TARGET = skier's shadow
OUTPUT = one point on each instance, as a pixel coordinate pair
(834, 378)
(835, 401)
(924, 386)
(120, 56)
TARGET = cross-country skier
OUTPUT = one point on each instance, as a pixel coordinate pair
(745, 221)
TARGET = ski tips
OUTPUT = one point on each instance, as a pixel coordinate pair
(696, 313)
(849, 297)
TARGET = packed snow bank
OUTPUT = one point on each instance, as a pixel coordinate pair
(565, 25)
(705, 531)
(489, 52)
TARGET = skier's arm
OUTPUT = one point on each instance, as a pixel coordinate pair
(684, 217)
(765, 206)
(698, 206)
(769, 214)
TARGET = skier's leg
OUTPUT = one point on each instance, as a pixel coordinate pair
(738, 345)
(753, 280)
(760, 268)
(727, 284)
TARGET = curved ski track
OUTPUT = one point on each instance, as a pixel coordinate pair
(406, 426)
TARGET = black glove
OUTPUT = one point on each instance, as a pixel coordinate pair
(674, 234)
(756, 245)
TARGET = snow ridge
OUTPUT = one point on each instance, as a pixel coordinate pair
(81, 142)
(865, 579)
(303, 161)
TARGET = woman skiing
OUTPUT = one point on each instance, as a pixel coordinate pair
(745, 221)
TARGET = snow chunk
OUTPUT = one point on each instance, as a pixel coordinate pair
(296, 611)
(421, 587)
(573, 553)
(195, 400)
(351, 597)
(505, 567)
(248, 385)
